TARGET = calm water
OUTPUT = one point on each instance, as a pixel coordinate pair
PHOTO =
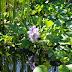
(10, 65)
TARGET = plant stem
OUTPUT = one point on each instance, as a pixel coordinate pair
(28, 11)
(0, 15)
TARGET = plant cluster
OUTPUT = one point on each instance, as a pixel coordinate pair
(42, 30)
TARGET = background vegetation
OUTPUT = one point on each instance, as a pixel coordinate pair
(54, 47)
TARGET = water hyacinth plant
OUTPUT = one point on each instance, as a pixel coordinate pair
(33, 33)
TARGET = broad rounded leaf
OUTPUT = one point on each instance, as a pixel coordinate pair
(63, 68)
(70, 67)
(48, 23)
(40, 68)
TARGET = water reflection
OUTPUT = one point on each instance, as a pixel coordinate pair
(25, 68)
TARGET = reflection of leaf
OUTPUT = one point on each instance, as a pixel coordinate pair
(48, 23)
(63, 68)
(40, 68)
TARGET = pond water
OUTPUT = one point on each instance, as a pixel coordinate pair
(25, 68)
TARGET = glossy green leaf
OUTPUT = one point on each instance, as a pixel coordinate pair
(63, 68)
(48, 23)
(65, 59)
(40, 68)
(70, 67)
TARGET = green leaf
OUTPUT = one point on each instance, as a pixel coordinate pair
(57, 54)
(18, 55)
(34, 12)
(13, 45)
(58, 22)
(69, 23)
(62, 11)
(64, 18)
(60, 54)
(18, 43)
(40, 68)
(69, 34)
(48, 23)
(1, 34)
(0, 52)
(7, 54)
(47, 64)
(65, 59)
(40, 8)
(62, 48)
(20, 1)
(63, 68)
(50, 53)
(1, 39)
(70, 67)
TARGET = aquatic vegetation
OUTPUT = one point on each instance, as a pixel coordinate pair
(37, 33)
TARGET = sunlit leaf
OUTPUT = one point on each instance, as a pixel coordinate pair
(63, 68)
(40, 68)
(7, 54)
(65, 59)
(48, 23)
(70, 67)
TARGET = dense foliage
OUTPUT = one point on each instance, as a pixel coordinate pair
(51, 43)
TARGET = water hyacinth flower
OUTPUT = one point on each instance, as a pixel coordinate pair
(33, 33)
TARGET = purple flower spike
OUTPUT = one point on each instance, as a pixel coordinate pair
(33, 33)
